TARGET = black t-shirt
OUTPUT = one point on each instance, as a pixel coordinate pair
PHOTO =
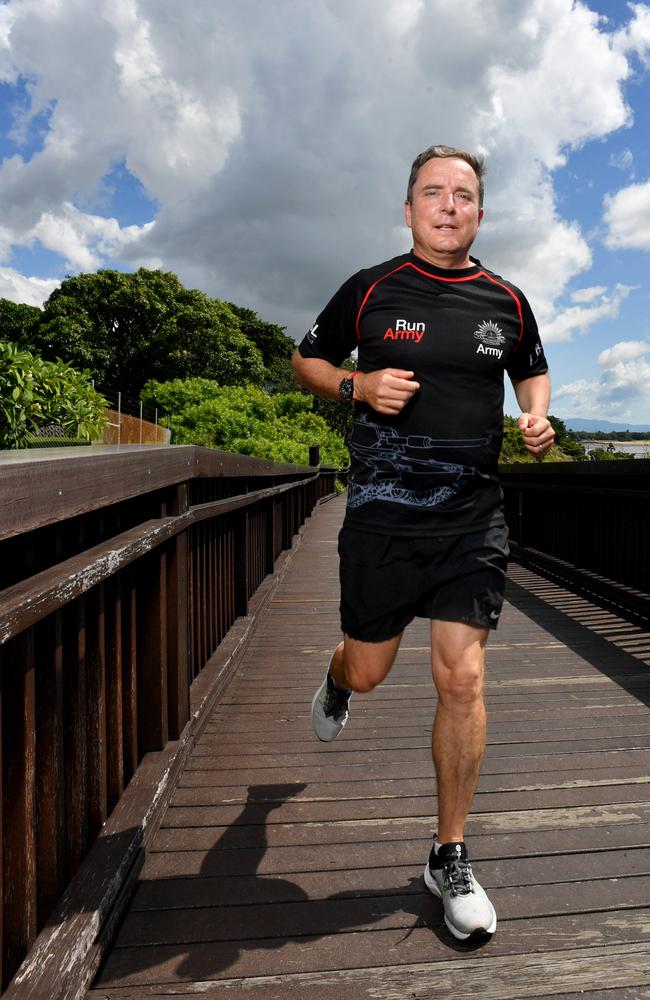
(431, 469)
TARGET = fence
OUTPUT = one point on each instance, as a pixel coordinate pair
(586, 524)
(124, 573)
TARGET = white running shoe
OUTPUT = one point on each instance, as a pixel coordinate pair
(468, 911)
(329, 710)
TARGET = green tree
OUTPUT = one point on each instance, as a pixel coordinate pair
(245, 419)
(35, 393)
(128, 328)
(18, 322)
(608, 454)
(513, 448)
(274, 345)
(566, 440)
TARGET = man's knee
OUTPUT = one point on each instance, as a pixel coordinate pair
(462, 687)
(459, 679)
(365, 665)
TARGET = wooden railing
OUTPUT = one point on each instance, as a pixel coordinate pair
(586, 523)
(123, 573)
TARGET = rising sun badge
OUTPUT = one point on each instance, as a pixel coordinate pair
(489, 333)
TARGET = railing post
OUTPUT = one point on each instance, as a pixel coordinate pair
(177, 621)
(50, 768)
(153, 715)
(96, 695)
(242, 545)
(19, 738)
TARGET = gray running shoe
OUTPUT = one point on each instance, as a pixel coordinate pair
(468, 911)
(329, 710)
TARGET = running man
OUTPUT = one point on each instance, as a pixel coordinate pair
(424, 532)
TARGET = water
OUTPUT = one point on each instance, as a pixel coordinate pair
(635, 449)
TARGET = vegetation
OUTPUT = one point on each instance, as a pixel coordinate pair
(607, 454)
(612, 435)
(245, 419)
(128, 328)
(35, 393)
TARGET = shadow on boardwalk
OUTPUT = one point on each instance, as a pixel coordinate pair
(270, 912)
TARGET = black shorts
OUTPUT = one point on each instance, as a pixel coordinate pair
(386, 582)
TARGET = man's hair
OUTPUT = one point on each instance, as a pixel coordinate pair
(477, 164)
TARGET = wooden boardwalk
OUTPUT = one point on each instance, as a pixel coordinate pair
(286, 868)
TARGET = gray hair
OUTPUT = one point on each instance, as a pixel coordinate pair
(477, 164)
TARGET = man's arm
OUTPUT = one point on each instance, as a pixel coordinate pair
(387, 391)
(533, 395)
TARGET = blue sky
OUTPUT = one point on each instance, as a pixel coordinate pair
(261, 153)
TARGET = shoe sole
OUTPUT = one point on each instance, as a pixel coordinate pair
(478, 933)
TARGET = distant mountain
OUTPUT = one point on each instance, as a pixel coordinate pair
(578, 424)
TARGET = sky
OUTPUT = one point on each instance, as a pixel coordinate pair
(261, 151)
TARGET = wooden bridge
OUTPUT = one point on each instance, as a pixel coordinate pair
(242, 858)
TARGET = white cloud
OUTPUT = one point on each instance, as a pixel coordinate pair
(627, 217)
(624, 350)
(84, 240)
(623, 389)
(583, 295)
(17, 288)
(578, 319)
(635, 36)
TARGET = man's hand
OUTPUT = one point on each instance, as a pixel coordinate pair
(538, 433)
(387, 390)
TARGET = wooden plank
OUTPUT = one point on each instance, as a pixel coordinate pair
(129, 641)
(153, 704)
(185, 853)
(114, 690)
(97, 782)
(50, 764)
(426, 935)
(212, 771)
(75, 735)
(177, 622)
(365, 869)
(581, 971)
(19, 900)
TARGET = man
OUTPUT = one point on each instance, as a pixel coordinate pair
(424, 532)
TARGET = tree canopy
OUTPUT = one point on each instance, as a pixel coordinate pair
(127, 328)
(245, 419)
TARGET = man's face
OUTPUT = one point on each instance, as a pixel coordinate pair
(444, 215)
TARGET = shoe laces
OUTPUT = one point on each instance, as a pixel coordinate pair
(335, 702)
(458, 878)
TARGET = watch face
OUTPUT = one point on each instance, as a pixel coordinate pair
(345, 388)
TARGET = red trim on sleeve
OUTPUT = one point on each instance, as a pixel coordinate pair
(517, 303)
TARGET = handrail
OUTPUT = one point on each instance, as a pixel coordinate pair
(31, 600)
(585, 524)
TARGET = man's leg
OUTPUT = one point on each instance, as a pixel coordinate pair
(458, 744)
(459, 729)
(355, 666)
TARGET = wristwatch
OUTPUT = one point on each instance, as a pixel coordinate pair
(346, 389)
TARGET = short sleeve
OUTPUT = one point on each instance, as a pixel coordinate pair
(333, 336)
(528, 359)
